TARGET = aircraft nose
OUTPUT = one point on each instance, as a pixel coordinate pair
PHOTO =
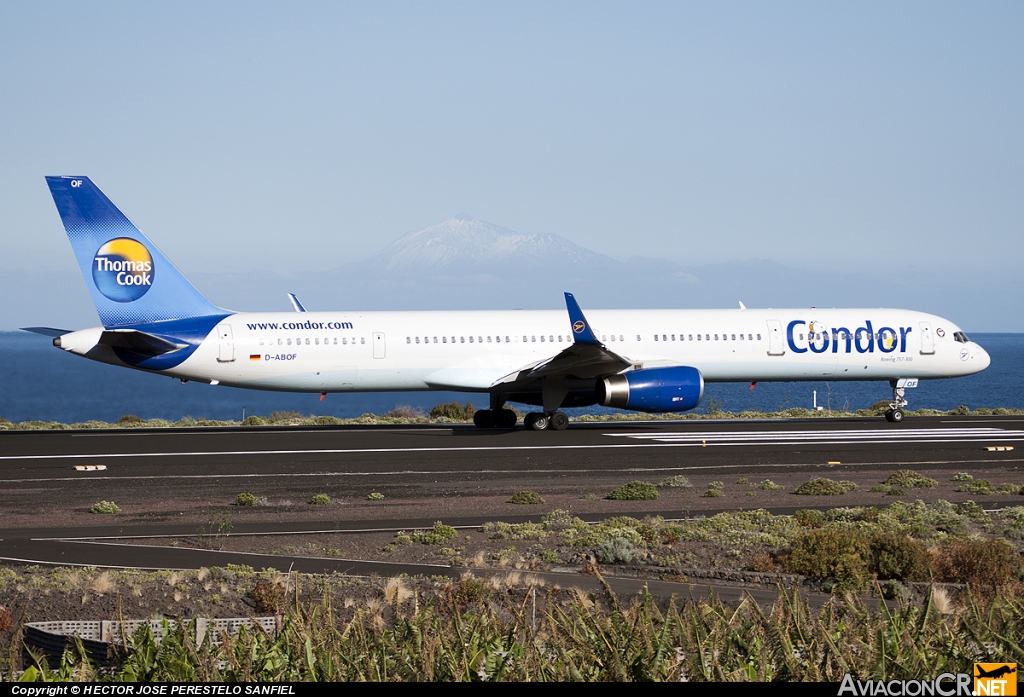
(981, 355)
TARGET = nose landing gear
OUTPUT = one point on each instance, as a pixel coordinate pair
(894, 414)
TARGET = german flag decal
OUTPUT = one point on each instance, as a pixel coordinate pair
(254, 356)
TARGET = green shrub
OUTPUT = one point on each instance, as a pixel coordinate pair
(810, 518)
(256, 421)
(453, 411)
(961, 477)
(978, 487)
(743, 480)
(375, 496)
(634, 491)
(831, 552)
(824, 487)
(897, 556)
(290, 415)
(107, 507)
(1015, 489)
(676, 482)
(909, 479)
(713, 493)
(526, 498)
(245, 499)
(130, 420)
(769, 485)
(618, 550)
(320, 500)
(438, 534)
(888, 490)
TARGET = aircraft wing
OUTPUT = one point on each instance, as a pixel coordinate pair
(586, 358)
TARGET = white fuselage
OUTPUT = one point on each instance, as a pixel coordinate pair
(472, 351)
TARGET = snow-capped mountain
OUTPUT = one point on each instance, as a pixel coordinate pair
(464, 245)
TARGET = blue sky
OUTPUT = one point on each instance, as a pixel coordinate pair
(282, 137)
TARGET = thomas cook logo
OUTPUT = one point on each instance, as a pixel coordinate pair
(122, 270)
(578, 326)
(995, 678)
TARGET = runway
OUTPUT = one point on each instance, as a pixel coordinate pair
(171, 479)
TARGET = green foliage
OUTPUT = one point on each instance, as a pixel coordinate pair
(1015, 489)
(105, 507)
(824, 487)
(453, 411)
(320, 500)
(634, 491)
(810, 518)
(962, 477)
(438, 534)
(675, 482)
(897, 556)
(769, 485)
(468, 632)
(909, 479)
(130, 420)
(286, 416)
(978, 487)
(526, 498)
(832, 552)
(256, 421)
(743, 480)
(617, 550)
(888, 490)
(375, 496)
(245, 499)
(712, 493)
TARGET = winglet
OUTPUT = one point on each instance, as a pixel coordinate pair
(295, 303)
(582, 333)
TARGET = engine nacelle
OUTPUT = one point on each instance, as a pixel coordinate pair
(653, 389)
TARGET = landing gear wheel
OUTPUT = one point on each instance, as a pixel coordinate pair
(559, 421)
(536, 421)
(896, 416)
(506, 418)
(484, 418)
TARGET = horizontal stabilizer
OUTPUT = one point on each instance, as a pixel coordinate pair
(138, 342)
(46, 331)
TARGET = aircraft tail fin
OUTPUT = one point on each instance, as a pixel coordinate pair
(130, 280)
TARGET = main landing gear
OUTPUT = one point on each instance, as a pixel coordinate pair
(539, 421)
(894, 414)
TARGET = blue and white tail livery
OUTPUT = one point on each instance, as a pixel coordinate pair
(153, 319)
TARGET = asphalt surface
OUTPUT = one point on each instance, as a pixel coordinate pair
(432, 462)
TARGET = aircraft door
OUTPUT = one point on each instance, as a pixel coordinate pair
(927, 340)
(226, 349)
(776, 342)
(379, 346)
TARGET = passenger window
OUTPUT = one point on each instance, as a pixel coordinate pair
(758, 337)
(673, 337)
(542, 338)
(335, 341)
(289, 342)
(655, 337)
(734, 337)
(707, 337)
(741, 337)
(698, 337)
(691, 337)
(506, 340)
(462, 339)
(362, 340)
(638, 337)
(750, 337)
(716, 337)
(471, 340)
(533, 339)
(315, 341)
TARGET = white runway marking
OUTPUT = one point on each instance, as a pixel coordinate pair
(849, 436)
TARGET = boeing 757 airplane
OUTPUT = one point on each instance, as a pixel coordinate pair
(644, 360)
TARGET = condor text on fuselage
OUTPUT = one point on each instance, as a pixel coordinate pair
(644, 360)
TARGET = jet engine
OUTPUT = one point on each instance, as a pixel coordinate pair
(677, 388)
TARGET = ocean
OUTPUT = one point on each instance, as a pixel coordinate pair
(43, 383)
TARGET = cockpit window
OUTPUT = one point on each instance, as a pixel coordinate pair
(961, 337)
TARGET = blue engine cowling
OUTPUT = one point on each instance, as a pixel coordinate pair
(653, 389)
